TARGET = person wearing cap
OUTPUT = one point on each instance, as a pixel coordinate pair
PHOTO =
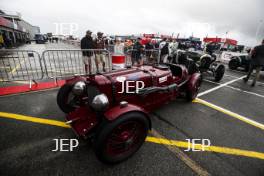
(99, 56)
(87, 43)
(257, 62)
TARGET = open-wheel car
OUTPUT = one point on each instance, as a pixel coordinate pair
(206, 63)
(112, 109)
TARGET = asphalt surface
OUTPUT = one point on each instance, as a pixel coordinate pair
(26, 147)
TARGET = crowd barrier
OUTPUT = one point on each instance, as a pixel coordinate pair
(28, 65)
(64, 63)
(20, 65)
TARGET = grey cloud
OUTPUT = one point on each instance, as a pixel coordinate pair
(240, 18)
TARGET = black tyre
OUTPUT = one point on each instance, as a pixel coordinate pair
(63, 98)
(193, 89)
(219, 73)
(233, 63)
(118, 140)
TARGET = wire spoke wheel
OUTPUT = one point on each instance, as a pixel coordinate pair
(124, 138)
(117, 140)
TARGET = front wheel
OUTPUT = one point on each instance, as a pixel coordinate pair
(65, 98)
(117, 140)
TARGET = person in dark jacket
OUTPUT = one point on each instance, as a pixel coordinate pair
(136, 54)
(257, 62)
(87, 43)
(149, 51)
(164, 51)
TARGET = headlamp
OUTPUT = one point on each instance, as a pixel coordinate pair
(78, 88)
(100, 102)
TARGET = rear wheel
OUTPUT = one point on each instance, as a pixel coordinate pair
(65, 98)
(233, 64)
(118, 140)
(193, 89)
(219, 73)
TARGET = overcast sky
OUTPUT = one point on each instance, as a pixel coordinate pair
(240, 18)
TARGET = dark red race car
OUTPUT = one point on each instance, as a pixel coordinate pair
(112, 109)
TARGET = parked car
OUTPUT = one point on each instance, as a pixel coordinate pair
(112, 109)
(40, 39)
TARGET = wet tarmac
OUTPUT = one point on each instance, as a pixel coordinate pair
(230, 116)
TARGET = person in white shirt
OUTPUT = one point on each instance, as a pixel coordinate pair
(173, 46)
(118, 57)
(119, 47)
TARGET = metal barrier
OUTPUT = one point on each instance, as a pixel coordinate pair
(20, 65)
(65, 63)
(149, 57)
(28, 65)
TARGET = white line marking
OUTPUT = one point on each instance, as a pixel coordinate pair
(244, 91)
(231, 76)
(258, 82)
(237, 89)
(220, 86)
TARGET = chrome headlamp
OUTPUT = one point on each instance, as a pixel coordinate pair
(79, 88)
(100, 102)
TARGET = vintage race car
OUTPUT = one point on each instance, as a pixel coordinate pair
(205, 63)
(112, 109)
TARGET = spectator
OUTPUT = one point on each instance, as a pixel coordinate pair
(173, 47)
(137, 53)
(118, 57)
(100, 57)
(87, 43)
(149, 51)
(257, 62)
(164, 50)
(119, 47)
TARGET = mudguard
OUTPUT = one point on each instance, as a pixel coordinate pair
(205, 55)
(219, 65)
(75, 79)
(194, 78)
(119, 110)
